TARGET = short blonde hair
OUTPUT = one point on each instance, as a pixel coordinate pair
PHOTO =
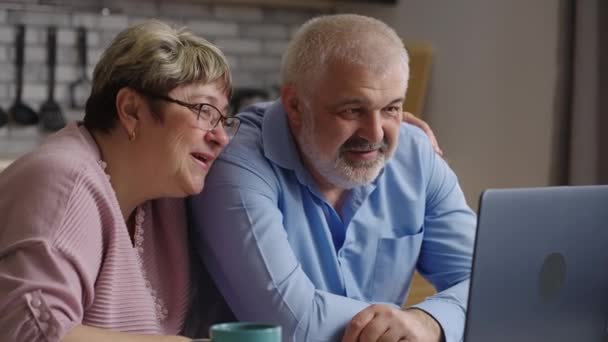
(349, 38)
(154, 57)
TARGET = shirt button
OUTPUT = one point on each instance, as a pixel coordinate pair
(44, 316)
(51, 330)
(36, 302)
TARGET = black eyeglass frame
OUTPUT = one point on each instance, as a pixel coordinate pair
(198, 108)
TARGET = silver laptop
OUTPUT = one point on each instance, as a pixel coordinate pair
(540, 268)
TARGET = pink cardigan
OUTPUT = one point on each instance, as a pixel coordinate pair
(66, 257)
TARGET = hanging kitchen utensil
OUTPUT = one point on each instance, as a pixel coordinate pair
(3, 117)
(19, 111)
(51, 116)
(80, 90)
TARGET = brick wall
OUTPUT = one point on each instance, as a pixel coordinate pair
(253, 38)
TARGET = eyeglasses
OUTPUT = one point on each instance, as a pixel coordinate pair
(205, 113)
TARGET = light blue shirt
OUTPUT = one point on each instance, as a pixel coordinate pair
(269, 238)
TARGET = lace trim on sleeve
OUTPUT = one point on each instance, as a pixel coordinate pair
(138, 239)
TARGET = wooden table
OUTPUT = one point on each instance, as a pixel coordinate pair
(419, 290)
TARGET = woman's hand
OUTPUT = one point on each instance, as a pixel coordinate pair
(412, 119)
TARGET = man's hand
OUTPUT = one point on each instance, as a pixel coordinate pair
(412, 119)
(384, 323)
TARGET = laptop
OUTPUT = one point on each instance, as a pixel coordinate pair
(540, 267)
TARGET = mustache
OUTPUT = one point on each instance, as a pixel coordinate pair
(360, 144)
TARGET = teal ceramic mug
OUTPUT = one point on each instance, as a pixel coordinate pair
(243, 332)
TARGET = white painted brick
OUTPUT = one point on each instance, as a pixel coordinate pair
(239, 13)
(67, 56)
(90, 70)
(136, 19)
(144, 8)
(259, 63)
(245, 79)
(213, 28)
(240, 46)
(66, 37)
(3, 16)
(35, 73)
(271, 79)
(7, 34)
(173, 22)
(106, 37)
(93, 56)
(233, 62)
(35, 53)
(87, 20)
(62, 94)
(275, 47)
(264, 30)
(293, 30)
(6, 56)
(66, 73)
(35, 104)
(73, 114)
(31, 18)
(93, 39)
(4, 51)
(289, 16)
(11, 95)
(7, 72)
(35, 35)
(171, 9)
(34, 92)
(3, 90)
(10, 54)
(20, 140)
(113, 22)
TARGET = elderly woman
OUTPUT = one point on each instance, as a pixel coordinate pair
(86, 253)
(92, 248)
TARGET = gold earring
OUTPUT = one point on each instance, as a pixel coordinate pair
(132, 135)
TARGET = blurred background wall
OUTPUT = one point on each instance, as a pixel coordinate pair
(510, 80)
(493, 84)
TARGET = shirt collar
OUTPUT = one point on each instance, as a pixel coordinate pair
(279, 145)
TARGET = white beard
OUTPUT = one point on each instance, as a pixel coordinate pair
(338, 171)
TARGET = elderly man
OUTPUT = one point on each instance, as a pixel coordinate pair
(317, 215)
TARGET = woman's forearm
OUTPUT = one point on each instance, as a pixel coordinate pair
(91, 334)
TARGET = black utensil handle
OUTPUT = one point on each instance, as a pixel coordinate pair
(82, 50)
(82, 46)
(51, 44)
(19, 60)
